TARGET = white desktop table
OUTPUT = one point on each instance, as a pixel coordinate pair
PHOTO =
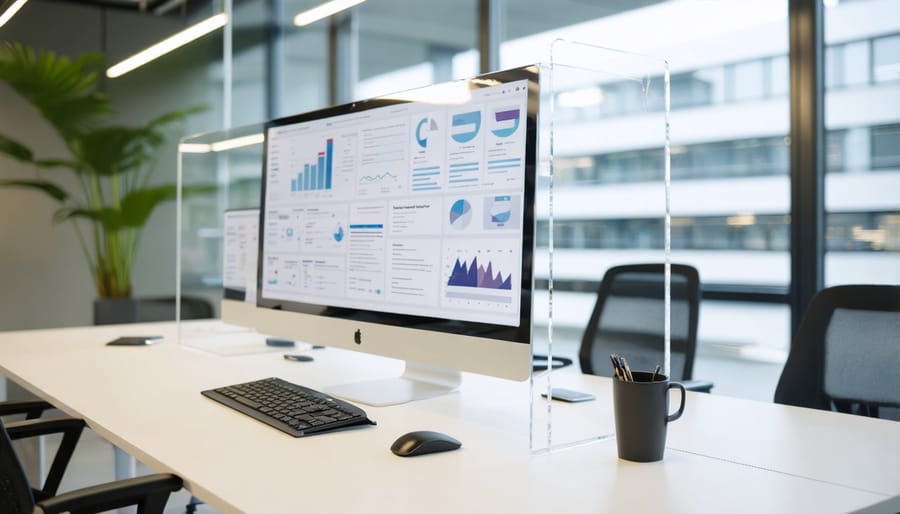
(724, 455)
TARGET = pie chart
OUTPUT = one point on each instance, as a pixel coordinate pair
(460, 214)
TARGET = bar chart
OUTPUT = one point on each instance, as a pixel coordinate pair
(316, 176)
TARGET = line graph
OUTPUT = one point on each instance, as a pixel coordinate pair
(381, 177)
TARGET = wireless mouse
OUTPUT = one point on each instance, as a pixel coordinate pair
(422, 442)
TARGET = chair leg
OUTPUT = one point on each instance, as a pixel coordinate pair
(154, 503)
(191, 507)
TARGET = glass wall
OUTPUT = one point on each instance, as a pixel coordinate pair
(862, 119)
(404, 44)
(299, 62)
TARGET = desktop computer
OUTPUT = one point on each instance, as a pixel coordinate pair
(403, 226)
(239, 254)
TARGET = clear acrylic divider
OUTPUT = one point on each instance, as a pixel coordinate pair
(218, 173)
(583, 90)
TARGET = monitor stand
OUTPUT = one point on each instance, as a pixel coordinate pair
(418, 382)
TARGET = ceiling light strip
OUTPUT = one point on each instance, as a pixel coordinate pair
(167, 45)
(323, 11)
(9, 13)
(221, 146)
(237, 142)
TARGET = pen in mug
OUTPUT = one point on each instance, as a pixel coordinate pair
(613, 358)
(620, 367)
(655, 371)
(627, 370)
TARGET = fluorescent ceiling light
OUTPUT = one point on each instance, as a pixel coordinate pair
(13, 9)
(194, 148)
(167, 45)
(221, 146)
(323, 11)
(237, 142)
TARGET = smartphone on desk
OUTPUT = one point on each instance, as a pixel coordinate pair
(568, 395)
(134, 341)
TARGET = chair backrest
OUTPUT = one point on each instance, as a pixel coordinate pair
(628, 319)
(15, 491)
(846, 353)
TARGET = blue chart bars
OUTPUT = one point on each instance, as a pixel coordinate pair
(425, 178)
(316, 176)
(474, 275)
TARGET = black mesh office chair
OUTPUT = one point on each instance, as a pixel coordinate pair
(628, 320)
(148, 493)
(846, 353)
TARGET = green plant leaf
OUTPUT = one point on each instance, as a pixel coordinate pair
(16, 150)
(106, 216)
(111, 160)
(57, 163)
(137, 206)
(62, 89)
(55, 192)
(134, 209)
(177, 116)
(114, 150)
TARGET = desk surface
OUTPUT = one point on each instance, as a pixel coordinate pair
(723, 455)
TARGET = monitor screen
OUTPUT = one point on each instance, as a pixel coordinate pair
(413, 211)
(239, 253)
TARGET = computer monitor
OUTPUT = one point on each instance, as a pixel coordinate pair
(404, 226)
(240, 249)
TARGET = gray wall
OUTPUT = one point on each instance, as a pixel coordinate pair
(46, 281)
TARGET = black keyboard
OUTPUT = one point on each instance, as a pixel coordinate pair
(293, 409)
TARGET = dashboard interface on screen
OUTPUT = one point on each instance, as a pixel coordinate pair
(406, 208)
(239, 253)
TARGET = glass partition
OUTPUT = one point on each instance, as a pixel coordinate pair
(581, 83)
(230, 163)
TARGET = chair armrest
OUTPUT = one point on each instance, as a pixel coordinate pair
(700, 386)
(70, 428)
(32, 409)
(38, 427)
(149, 493)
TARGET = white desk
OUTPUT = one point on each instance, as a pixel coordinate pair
(724, 455)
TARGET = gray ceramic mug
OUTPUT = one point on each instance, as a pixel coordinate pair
(642, 415)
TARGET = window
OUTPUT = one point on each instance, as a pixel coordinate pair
(747, 81)
(862, 202)
(729, 163)
(779, 76)
(886, 147)
(403, 45)
(886, 58)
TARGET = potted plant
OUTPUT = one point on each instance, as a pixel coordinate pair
(112, 164)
